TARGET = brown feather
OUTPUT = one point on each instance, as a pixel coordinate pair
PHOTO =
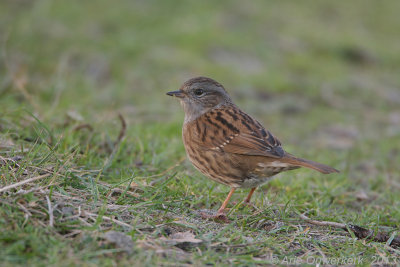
(308, 164)
(233, 131)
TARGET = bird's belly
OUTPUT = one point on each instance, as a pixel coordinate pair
(254, 181)
(217, 166)
(231, 169)
(264, 172)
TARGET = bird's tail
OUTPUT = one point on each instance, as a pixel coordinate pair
(288, 158)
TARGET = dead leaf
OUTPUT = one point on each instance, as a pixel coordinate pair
(182, 240)
(6, 143)
(120, 240)
(361, 195)
(67, 210)
(134, 185)
(74, 115)
(165, 252)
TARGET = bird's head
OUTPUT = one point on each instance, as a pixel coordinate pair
(199, 95)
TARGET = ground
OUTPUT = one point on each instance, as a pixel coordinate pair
(322, 76)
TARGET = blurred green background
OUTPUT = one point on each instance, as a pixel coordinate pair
(93, 56)
(323, 76)
(300, 68)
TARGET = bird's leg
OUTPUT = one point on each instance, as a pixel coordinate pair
(247, 199)
(220, 215)
(222, 208)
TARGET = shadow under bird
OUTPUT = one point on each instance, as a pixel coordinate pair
(228, 145)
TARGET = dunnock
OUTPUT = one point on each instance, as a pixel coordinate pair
(228, 145)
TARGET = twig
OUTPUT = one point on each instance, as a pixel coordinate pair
(27, 213)
(82, 126)
(11, 186)
(122, 131)
(73, 216)
(110, 219)
(323, 223)
(3, 151)
(66, 196)
(12, 160)
(84, 222)
(22, 207)
(72, 233)
(120, 191)
(51, 209)
(112, 148)
(24, 192)
(359, 232)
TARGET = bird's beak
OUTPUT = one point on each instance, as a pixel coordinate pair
(179, 94)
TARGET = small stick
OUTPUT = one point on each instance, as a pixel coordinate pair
(11, 186)
(359, 232)
(6, 160)
(122, 131)
(110, 219)
(323, 223)
(84, 222)
(51, 209)
(82, 126)
(51, 217)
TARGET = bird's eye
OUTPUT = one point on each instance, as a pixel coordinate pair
(198, 92)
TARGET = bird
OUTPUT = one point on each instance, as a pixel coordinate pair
(228, 145)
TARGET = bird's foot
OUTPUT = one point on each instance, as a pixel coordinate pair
(212, 215)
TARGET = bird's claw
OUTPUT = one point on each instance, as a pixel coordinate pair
(216, 216)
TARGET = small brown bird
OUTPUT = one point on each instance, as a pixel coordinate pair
(228, 145)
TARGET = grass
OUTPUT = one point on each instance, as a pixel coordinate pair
(322, 76)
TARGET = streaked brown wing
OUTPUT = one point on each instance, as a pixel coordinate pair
(231, 130)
